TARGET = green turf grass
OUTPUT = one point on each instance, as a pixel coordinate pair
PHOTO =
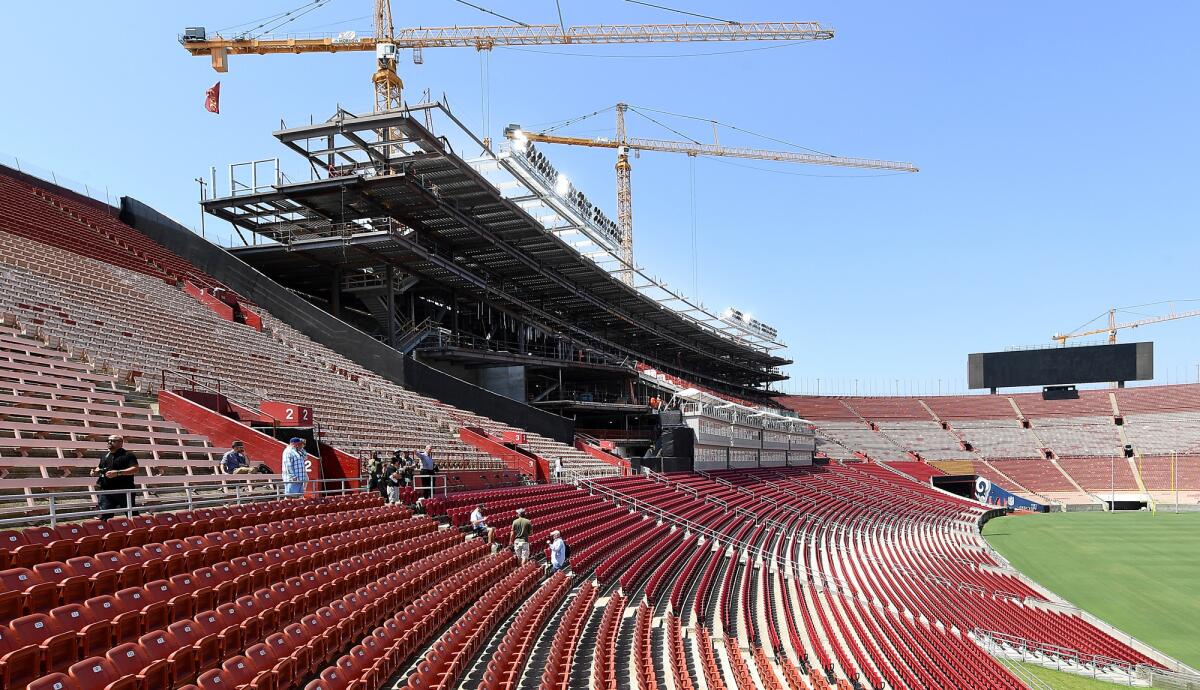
(1137, 571)
(1065, 681)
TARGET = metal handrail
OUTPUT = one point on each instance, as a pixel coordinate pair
(821, 580)
(62, 506)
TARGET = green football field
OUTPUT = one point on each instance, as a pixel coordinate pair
(1137, 571)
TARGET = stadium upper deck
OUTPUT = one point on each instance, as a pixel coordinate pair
(411, 208)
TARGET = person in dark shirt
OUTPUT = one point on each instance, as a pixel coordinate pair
(234, 461)
(521, 529)
(115, 473)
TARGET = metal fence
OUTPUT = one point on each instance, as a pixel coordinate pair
(72, 506)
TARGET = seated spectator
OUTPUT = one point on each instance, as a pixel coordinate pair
(479, 523)
(234, 461)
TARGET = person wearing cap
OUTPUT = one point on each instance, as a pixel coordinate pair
(234, 461)
(521, 529)
(558, 551)
(295, 467)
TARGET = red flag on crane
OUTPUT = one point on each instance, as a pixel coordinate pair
(212, 98)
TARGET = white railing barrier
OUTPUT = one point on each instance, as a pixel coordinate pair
(71, 506)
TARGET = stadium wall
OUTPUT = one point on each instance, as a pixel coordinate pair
(335, 333)
(426, 380)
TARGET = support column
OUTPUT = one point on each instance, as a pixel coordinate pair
(390, 291)
(335, 293)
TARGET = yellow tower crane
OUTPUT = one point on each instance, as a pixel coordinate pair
(387, 42)
(1113, 326)
(624, 144)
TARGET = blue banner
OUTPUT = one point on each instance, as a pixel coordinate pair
(994, 495)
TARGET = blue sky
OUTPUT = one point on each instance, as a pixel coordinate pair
(1057, 144)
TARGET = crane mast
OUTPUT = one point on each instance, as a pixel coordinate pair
(388, 86)
(623, 143)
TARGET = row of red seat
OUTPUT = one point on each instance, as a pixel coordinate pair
(627, 546)
(677, 660)
(78, 630)
(604, 658)
(444, 665)
(81, 630)
(652, 556)
(37, 544)
(319, 637)
(668, 566)
(643, 650)
(441, 505)
(557, 674)
(50, 584)
(190, 645)
(504, 668)
(708, 662)
(397, 636)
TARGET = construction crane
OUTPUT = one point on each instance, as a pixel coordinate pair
(387, 42)
(624, 144)
(1113, 326)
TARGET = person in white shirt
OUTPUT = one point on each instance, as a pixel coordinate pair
(479, 523)
(558, 551)
(558, 469)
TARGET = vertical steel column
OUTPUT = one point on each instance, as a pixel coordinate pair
(388, 274)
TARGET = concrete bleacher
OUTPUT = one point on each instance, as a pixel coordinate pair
(1163, 433)
(130, 317)
(1010, 435)
(1079, 436)
(1099, 475)
(1034, 474)
(927, 438)
(856, 435)
(1001, 438)
(55, 414)
(888, 408)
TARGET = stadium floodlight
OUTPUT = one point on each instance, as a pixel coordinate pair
(562, 185)
(519, 140)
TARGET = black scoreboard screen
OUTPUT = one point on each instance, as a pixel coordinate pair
(1061, 365)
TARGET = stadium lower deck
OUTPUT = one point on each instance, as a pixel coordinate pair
(849, 574)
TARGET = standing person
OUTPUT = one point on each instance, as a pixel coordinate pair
(234, 461)
(395, 477)
(115, 473)
(521, 529)
(558, 469)
(558, 551)
(408, 466)
(375, 475)
(428, 469)
(295, 467)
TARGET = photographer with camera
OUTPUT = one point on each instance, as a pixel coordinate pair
(115, 473)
